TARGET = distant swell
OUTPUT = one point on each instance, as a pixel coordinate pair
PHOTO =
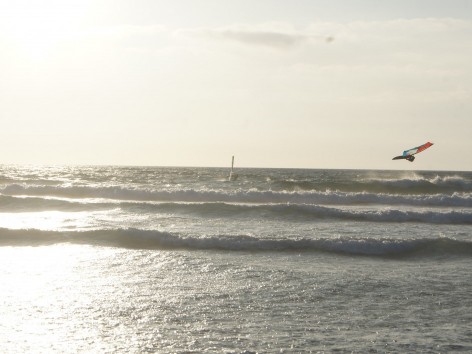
(287, 211)
(142, 239)
(457, 199)
(411, 184)
(304, 212)
(419, 185)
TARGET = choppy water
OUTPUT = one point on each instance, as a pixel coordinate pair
(142, 259)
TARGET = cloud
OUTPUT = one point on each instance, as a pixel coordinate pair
(263, 38)
(284, 36)
(271, 36)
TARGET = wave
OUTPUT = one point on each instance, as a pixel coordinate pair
(412, 183)
(287, 211)
(31, 204)
(415, 184)
(457, 199)
(303, 212)
(151, 239)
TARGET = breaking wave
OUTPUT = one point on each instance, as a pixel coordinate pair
(415, 184)
(144, 239)
(411, 183)
(305, 212)
(456, 199)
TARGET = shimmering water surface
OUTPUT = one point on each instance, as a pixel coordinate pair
(178, 260)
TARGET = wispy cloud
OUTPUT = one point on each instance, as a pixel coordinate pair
(262, 36)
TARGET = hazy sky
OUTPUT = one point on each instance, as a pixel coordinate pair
(299, 83)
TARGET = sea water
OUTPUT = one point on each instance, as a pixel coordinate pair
(181, 260)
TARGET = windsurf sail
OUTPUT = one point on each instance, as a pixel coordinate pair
(415, 150)
(408, 154)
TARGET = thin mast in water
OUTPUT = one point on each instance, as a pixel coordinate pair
(232, 175)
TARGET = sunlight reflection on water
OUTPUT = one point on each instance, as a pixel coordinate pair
(53, 296)
(51, 220)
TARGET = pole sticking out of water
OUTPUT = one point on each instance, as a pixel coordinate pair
(232, 176)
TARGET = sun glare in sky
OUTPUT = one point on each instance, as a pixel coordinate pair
(278, 84)
(35, 29)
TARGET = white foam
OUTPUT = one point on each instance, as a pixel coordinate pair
(242, 196)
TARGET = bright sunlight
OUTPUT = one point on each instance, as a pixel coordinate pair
(34, 30)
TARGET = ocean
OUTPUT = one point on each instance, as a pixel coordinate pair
(181, 260)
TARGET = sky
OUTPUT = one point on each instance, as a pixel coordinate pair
(282, 84)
